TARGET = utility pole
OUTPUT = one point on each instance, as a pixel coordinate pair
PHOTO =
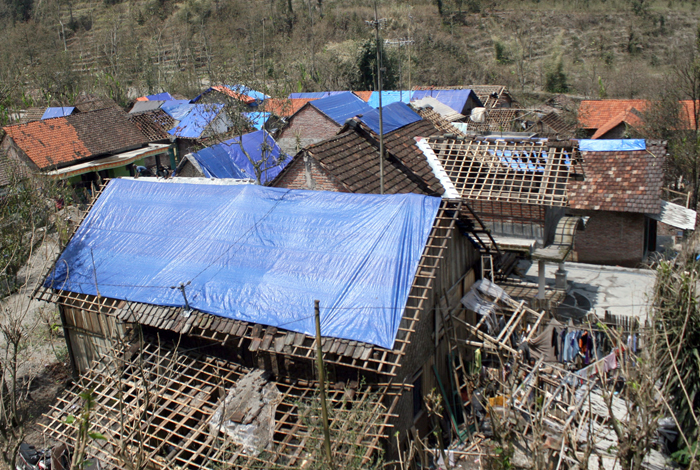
(401, 42)
(377, 23)
(322, 386)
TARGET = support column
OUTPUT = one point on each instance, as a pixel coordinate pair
(560, 277)
(540, 279)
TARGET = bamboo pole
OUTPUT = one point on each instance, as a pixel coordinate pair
(322, 386)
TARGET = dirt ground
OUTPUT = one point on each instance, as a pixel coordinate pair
(44, 358)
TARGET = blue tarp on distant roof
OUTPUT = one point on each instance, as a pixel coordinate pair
(455, 99)
(341, 107)
(165, 96)
(241, 90)
(388, 97)
(254, 253)
(611, 145)
(257, 119)
(193, 125)
(57, 112)
(227, 160)
(314, 95)
(394, 116)
(177, 109)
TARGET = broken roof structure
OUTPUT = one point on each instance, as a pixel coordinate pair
(462, 101)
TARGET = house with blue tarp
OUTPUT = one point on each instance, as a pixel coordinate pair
(238, 268)
(319, 119)
(231, 94)
(58, 112)
(462, 101)
(254, 156)
(389, 97)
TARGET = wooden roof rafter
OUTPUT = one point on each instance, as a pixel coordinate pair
(275, 340)
(525, 172)
(169, 395)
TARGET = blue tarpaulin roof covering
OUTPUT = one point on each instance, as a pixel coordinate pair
(314, 95)
(341, 107)
(241, 90)
(160, 97)
(177, 109)
(611, 145)
(254, 253)
(389, 97)
(257, 119)
(455, 99)
(395, 116)
(227, 160)
(196, 121)
(57, 112)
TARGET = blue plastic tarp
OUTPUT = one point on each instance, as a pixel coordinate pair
(394, 116)
(165, 96)
(611, 145)
(455, 99)
(341, 107)
(241, 90)
(227, 159)
(314, 95)
(254, 253)
(388, 97)
(196, 121)
(57, 112)
(258, 120)
(177, 109)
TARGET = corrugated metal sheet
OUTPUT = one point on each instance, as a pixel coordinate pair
(440, 108)
(57, 112)
(342, 107)
(395, 116)
(676, 216)
(388, 97)
(143, 106)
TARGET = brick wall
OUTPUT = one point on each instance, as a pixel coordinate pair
(309, 175)
(615, 238)
(309, 125)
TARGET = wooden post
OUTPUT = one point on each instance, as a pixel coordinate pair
(322, 386)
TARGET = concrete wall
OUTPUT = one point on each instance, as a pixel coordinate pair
(306, 173)
(614, 238)
(309, 126)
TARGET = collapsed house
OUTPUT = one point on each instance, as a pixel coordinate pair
(524, 189)
(169, 321)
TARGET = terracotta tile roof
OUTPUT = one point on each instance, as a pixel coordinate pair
(284, 107)
(352, 157)
(621, 181)
(629, 116)
(153, 124)
(233, 94)
(93, 103)
(80, 136)
(363, 95)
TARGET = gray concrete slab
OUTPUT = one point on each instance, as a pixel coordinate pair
(621, 291)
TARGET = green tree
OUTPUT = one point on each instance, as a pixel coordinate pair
(367, 66)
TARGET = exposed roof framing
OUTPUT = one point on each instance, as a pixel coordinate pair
(168, 396)
(529, 172)
(279, 341)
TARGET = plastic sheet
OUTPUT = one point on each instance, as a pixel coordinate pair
(257, 119)
(227, 159)
(160, 97)
(57, 112)
(389, 97)
(197, 120)
(342, 107)
(314, 95)
(395, 116)
(455, 99)
(253, 253)
(177, 109)
(143, 106)
(611, 145)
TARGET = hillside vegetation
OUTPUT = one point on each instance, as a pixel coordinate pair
(54, 49)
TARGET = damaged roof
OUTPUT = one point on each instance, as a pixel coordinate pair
(64, 140)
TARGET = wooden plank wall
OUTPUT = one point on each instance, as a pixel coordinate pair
(90, 334)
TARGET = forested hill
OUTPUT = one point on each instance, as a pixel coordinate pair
(55, 49)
